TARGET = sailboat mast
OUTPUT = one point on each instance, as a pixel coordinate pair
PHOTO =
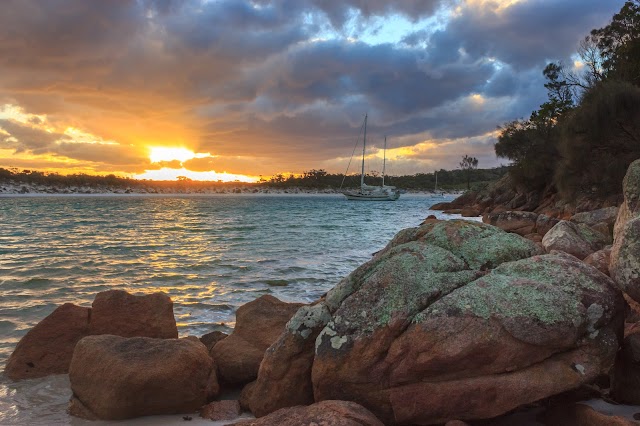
(364, 143)
(384, 159)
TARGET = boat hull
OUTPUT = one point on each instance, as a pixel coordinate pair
(359, 196)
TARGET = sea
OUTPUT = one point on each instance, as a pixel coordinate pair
(210, 254)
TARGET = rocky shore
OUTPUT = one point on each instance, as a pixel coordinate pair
(453, 322)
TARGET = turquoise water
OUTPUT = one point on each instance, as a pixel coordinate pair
(211, 254)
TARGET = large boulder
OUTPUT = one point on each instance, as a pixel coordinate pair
(48, 347)
(120, 313)
(258, 325)
(606, 215)
(625, 253)
(601, 220)
(577, 239)
(521, 223)
(630, 208)
(115, 378)
(284, 378)
(456, 320)
(334, 413)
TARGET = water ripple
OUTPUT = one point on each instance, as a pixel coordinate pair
(210, 254)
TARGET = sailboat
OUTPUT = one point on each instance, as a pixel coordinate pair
(436, 192)
(372, 192)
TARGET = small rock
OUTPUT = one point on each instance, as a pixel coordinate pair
(600, 260)
(221, 410)
(521, 223)
(210, 339)
(544, 223)
(334, 413)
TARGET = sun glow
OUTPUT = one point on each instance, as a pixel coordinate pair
(173, 174)
(159, 154)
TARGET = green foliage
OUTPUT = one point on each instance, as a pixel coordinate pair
(532, 148)
(531, 144)
(619, 44)
(467, 165)
(447, 179)
(584, 149)
(599, 140)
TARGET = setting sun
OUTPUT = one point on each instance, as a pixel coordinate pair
(159, 154)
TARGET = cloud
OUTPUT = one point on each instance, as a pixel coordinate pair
(25, 138)
(275, 85)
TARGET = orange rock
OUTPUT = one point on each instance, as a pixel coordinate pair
(600, 260)
(47, 348)
(582, 415)
(284, 378)
(334, 413)
(117, 378)
(210, 339)
(221, 410)
(122, 314)
(258, 325)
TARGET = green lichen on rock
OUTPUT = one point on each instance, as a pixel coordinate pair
(307, 319)
(557, 271)
(481, 246)
(503, 296)
(548, 289)
(596, 239)
(625, 259)
(400, 284)
(494, 249)
(408, 276)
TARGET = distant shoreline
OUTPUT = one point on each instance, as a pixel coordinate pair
(26, 190)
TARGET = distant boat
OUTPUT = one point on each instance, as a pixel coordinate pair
(436, 192)
(372, 192)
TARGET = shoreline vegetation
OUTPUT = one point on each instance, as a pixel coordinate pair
(13, 181)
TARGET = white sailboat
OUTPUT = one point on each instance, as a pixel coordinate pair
(371, 192)
(436, 192)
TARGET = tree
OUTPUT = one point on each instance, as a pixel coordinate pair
(532, 144)
(619, 44)
(468, 164)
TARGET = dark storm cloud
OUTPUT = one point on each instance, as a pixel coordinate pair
(246, 78)
(526, 34)
(339, 11)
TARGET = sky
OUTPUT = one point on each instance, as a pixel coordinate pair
(238, 89)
